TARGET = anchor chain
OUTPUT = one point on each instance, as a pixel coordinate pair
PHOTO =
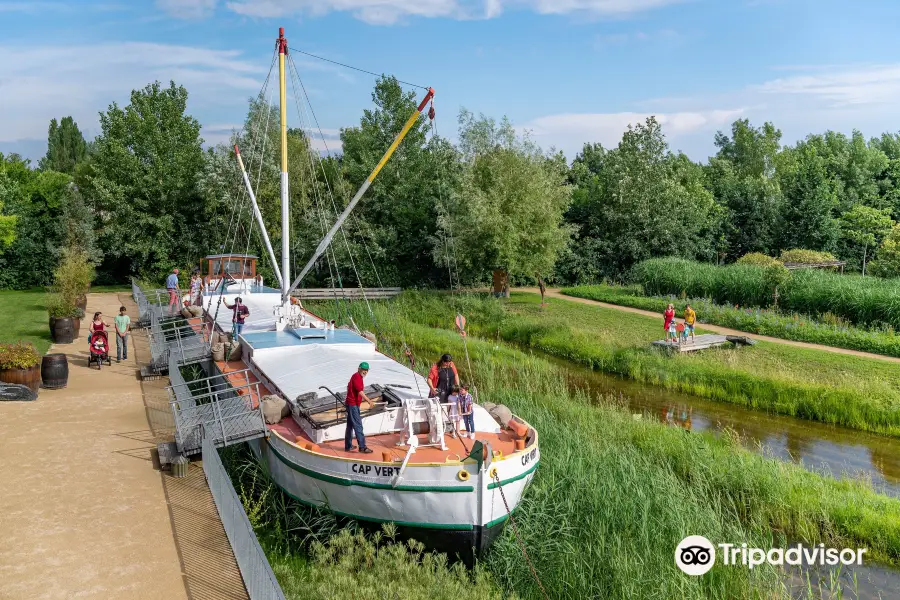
(512, 520)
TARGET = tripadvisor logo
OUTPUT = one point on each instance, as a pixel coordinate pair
(696, 555)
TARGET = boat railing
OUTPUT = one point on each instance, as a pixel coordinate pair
(259, 579)
(231, 413)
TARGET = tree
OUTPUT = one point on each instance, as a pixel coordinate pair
(742, 177)
(887, 263)
(806, 217)
(398, 217)
(66, 147)
(141, 183)
(636, 202)
(37, 202)
(866, 226)
(510, 205)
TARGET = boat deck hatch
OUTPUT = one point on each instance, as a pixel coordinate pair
(326, 411)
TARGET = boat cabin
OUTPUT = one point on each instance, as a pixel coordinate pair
(238, 266)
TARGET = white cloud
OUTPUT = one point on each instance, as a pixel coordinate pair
(187, 9)
(817, 98)
(36, 86)
(875, 84)
(386, 12)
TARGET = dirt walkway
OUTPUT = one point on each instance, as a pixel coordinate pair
(85, 513)
(555, 293)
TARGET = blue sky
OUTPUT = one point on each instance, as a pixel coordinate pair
(568, 71)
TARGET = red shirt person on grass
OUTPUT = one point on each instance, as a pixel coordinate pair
(355, 396)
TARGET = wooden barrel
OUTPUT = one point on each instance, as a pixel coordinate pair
(62, 330)
(54, 371)
(29, 377)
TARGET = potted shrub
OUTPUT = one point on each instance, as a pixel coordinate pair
(65, 319)
(72, 278)
(20, 363)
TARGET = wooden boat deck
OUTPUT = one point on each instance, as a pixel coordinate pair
(704, 342)
(387, 442)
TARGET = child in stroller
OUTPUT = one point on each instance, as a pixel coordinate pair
(99, 345)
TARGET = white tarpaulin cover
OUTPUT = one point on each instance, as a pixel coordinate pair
(301, 360)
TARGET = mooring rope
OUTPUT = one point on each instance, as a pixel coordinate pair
(512, 520)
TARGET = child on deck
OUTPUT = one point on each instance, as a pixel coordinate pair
(464, 400)
(672, 332)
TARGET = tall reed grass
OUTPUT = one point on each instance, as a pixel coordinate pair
(828, 329)
(614, 495)
(860, 300)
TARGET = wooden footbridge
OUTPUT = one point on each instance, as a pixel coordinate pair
(704, 342)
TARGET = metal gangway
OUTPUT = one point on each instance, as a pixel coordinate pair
(186, 339)
(227, 409)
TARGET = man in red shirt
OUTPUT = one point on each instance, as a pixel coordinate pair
(355, 396)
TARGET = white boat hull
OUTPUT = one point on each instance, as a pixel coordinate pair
(430, 499)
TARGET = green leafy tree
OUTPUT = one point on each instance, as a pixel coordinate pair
(810, 199)
(66, 147)
(9, 191)
(398, 217)
(635, 202)
(866, 226)
(142, 183)
(510, 206)
(742, 177)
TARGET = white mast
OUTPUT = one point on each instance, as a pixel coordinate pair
(285, 208)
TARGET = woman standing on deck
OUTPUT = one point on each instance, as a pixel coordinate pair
(668, 317)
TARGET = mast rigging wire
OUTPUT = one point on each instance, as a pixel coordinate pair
(334, 62)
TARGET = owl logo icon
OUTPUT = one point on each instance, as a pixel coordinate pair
(695, 555)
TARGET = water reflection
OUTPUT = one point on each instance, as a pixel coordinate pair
(835, 450)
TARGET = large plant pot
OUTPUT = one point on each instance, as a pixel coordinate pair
(54, 371)
(63, 331)
(30, 377)
(76, 324)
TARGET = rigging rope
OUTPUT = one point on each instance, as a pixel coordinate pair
(334, 62)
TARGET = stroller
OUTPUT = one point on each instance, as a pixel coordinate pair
(99, 349)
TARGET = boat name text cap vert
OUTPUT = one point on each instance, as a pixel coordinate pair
(364, 366)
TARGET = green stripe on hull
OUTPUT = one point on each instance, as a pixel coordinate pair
(377, 486)
(516, 478)
(443, 526)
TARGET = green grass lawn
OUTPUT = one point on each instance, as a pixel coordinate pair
(25, 318)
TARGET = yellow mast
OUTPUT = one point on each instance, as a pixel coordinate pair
(285, 208)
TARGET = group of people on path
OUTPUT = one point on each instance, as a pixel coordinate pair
(122, 325)
(679, 332)
(443, 381)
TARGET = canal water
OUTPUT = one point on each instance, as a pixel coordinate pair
(831, 450)
(836, 451)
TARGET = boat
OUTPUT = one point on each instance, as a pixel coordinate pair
(451, 492)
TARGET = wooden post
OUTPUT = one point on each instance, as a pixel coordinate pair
(501, 283)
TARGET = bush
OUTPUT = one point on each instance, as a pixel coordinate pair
(759, 259)
(20, 355)
(59, 308)
(860, 300)
(809, 257)
(73, 277)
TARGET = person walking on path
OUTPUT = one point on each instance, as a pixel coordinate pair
(690, 317)
(443, 377)
(355, 396)
(123, 327)
(172, 288)
(668, 317)
(240, 315)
